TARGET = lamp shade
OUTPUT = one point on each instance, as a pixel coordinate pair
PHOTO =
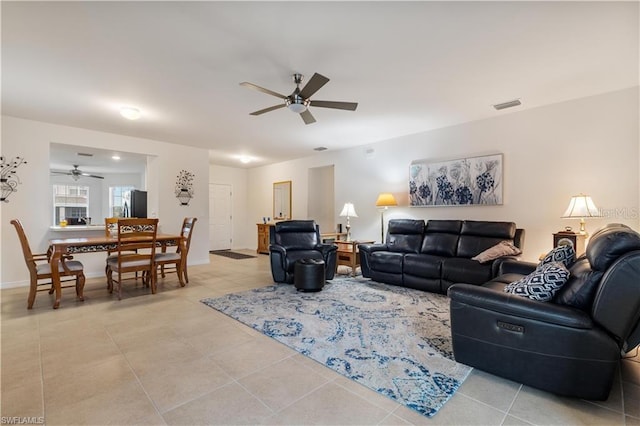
(348, 210)
(386, 199)
(581, 206)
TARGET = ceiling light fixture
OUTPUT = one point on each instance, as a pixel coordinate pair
(297, 105)
(115, 157)
(245, 159)
(130, 113)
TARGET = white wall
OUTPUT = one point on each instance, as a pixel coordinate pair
(32, 203)
(588, 145)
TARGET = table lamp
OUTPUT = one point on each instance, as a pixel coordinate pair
(349, 211)
(385, 200)
(581, 206)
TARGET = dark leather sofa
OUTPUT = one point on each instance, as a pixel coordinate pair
(570, 345)
(292, 240)
(435, 255)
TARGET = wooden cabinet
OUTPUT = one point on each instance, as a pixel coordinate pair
(264, 231)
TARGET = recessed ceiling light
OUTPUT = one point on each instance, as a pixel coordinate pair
(130, 113)
(245, 159)
(115, 157)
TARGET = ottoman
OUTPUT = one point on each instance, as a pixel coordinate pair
(308, 275)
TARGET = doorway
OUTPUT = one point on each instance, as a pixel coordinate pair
(219, 216)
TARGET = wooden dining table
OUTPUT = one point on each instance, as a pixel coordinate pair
(72, 246)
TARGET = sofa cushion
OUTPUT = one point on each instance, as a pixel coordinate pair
(481, 228)
(385, 261)
(295, 255)
(444, 226)
(423, 265)
(541, 284)
(440, 244)
(564, 254)
(503, 248)
(580, 289)
(460, 270)
(405, 235)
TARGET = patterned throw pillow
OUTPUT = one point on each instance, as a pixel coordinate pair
(564, 254)
(503, 248)
(542, 283)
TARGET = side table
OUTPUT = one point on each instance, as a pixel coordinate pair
(348, 254)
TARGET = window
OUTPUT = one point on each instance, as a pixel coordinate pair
(120, 201)
(70, 202)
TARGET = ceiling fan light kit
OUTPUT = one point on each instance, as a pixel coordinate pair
(300, 100)
(130, 113)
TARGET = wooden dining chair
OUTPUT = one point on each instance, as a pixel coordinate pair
(136, 249)
(70, 270)
(178, 258)
(111, 229)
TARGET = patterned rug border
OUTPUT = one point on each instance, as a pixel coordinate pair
(410, 380)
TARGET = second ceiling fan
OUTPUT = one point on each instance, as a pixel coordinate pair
(299, 101)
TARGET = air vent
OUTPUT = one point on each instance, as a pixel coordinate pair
(508, 104)
(84, 154)
(320, 148)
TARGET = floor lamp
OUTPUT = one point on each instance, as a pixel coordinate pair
(385, 200)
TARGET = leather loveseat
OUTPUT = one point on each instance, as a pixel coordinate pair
(435, 255)
(570, 345)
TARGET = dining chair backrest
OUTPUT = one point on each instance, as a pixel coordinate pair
(26, 249)
(137, 234)
(187, 227)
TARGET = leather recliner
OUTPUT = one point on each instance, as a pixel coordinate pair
(292, 240)
(570, 345)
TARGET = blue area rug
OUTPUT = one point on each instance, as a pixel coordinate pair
(394, 340)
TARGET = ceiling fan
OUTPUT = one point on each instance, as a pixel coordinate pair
(76, 173)
(299, 101)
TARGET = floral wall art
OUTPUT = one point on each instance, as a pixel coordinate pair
(184, 187)
(461, 182)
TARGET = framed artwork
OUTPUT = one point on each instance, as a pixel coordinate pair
(462, 182)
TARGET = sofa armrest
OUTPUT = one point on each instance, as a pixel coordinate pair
(370, 248)
(518, 306)
(511, 265)
(326, 249)
(365, 253)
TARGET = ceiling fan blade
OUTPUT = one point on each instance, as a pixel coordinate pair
(56, 172)
(351, 106)
(262, 89)
(262, 111)
(92, 176)
(307, 117)
(314, 84)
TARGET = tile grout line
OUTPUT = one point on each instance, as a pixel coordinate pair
(155, 407)
(44, 407)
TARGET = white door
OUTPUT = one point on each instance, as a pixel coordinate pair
(220, 216)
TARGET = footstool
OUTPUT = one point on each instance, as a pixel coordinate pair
(308, 275)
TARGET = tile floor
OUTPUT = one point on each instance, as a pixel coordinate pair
(169, 359)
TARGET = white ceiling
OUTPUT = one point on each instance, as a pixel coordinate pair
(412, 66)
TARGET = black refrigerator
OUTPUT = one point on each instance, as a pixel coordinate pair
(138, 203)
